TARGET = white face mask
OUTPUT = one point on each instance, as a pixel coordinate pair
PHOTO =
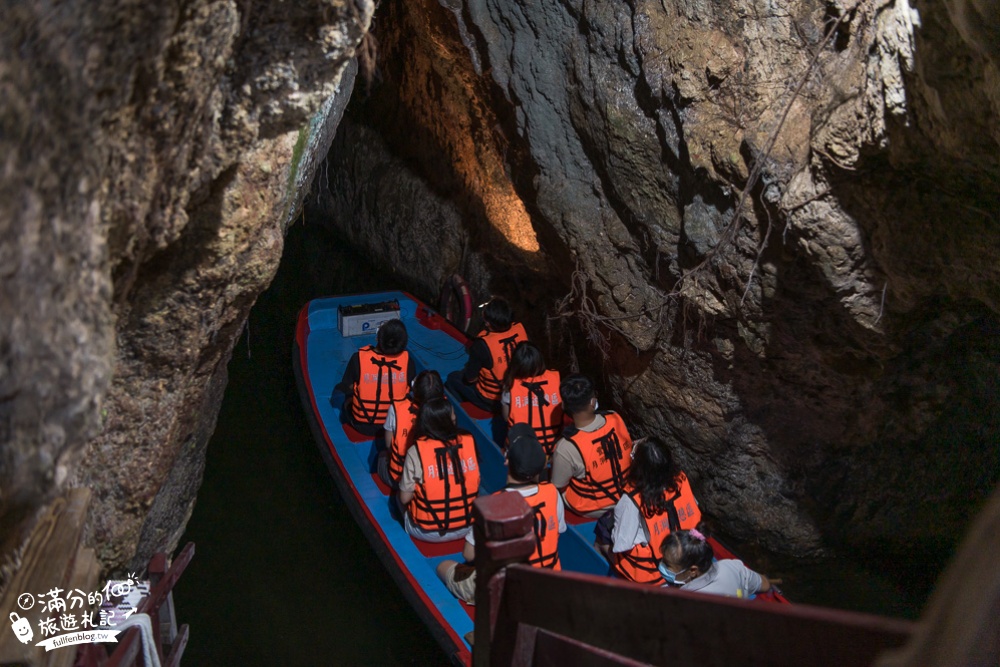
(669, 575)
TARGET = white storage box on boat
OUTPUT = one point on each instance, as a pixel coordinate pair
(365, 318)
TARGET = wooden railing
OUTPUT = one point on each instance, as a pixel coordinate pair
(539, 617)
(55, 557)
(159, 606)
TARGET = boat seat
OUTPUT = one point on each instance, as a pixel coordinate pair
(475, 411)
(574, 519)
(438, 549)
(354, 435)
(386, 491)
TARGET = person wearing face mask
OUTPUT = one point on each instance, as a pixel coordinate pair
(688, 561)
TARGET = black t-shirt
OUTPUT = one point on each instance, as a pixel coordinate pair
(479, 358)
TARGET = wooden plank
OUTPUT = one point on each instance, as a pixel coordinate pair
(552, 650)
(158, 595)
(131, 642)
(84, 577)
(48, 560)
(503, 525)
(177, 651)
(662, 626)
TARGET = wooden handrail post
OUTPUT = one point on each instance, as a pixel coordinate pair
(503, 524)
(960, 625)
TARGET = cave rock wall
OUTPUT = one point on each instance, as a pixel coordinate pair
(774, 225)
(153, 155)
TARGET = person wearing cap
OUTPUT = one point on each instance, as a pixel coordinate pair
(525, 462)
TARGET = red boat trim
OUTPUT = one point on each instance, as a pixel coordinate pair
(432, 320)
(301, 334)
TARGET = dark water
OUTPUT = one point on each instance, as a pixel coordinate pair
(283, 575)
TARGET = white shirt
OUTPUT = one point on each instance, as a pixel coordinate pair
(527, 492)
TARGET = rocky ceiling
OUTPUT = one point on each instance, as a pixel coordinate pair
(770, 227)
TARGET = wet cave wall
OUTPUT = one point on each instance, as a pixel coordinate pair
(153, 155)
(769, 228)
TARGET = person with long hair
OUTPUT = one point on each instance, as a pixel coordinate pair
(531, 395)
(688, 561)
(401, 422)
(657, 501)
(440, 477)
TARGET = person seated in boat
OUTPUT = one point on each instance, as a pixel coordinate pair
(400, 425)
(480, 382)
(688, 561)
(657, 501)
(375, 377)
(591, 461)
(531, 395)
(525, 462)
(440, 477)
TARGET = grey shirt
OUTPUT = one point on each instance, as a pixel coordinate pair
(730, 578)
(567, 461)
(527, 492)
(630, 529)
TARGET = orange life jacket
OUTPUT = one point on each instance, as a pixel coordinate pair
(682, 513)
(382, 380)
(442, 502)
(402, 437)
(546, 529)
(501, 345)
(535, 401)
(607, 456)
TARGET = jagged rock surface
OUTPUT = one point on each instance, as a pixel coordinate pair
(826, 367)
(151, 159)
(841, 383)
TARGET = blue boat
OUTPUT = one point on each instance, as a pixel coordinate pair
(320, 358)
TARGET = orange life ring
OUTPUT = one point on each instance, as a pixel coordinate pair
(455, 302)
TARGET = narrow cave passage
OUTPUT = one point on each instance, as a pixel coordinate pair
(281, 563)
(829, 377)
(270, 523)
(423, 182)
(315, 587)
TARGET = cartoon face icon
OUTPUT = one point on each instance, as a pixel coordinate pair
(21, 628)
